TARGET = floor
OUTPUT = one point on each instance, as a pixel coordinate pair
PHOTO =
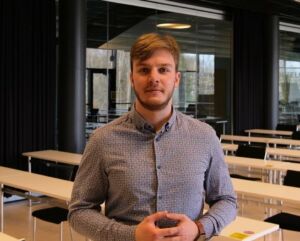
(18, 223)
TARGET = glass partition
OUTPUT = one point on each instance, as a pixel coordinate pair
(205, 61)
(289, 77)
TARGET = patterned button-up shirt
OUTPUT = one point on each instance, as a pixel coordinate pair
(137, 172)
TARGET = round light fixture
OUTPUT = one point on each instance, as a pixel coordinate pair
(173, 25)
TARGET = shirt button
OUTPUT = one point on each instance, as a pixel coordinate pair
(157, 138)
(159, 197)
(158, 167)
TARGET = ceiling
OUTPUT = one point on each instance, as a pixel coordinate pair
(206, 35)
(288, 9)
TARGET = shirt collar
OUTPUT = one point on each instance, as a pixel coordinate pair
(142, 125)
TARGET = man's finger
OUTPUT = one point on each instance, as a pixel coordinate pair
(168, 232)
(175, 216)
(175, 238)
(156, 216)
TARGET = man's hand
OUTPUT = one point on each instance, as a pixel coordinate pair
(187, 229)
(147, 231)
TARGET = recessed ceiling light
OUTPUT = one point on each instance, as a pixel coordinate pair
(173, 25)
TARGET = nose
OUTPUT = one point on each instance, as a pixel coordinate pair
(153, 75)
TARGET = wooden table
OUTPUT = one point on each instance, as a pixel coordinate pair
(54, 156)
(233, 138)
(268, 141)
(6, 237)
(281, 141)
(229, 147)
(6, 171)
(284, 152)
(32, 182)
(275, 168)
(262, 164)
(222, 238)
(267, 190)
(247, 229)
(269, 132)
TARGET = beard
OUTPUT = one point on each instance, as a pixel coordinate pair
(154, 106)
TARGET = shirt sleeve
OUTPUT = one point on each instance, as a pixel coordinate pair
(89, 191)
(220, 195)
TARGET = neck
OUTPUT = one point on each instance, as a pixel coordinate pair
(157, 118)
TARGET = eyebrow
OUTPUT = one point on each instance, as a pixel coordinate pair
(160, 65)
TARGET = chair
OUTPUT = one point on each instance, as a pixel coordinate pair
(286, 220)
(56, 215)
(296, 135)
(252, 152)
(286, 127)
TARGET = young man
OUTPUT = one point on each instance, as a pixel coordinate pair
(153, 167)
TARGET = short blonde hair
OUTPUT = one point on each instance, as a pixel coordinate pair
(146, 44)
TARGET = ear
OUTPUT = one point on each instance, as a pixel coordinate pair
(131, 79)
(177, 79)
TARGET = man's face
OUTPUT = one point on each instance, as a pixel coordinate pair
(154, 80)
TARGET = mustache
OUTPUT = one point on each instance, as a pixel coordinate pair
(153, 87)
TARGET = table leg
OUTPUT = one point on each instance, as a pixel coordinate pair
(29, 170)
(1, 208)
(29, 164)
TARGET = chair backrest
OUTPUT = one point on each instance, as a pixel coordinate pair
(251, 151)
(191, 107)
(74, 172)
(296, 135)
(292, 178)
(286, 127)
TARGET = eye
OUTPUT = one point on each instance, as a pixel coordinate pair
(143, 70)
(163, 70)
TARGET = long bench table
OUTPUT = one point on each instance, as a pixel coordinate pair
(284, 153)
(283, 193)
(247, 229)
(6, 237)
(268, 141)
(269, 132)
(274, 168)
(54, 156)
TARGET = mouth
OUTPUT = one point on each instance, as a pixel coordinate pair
(154, 90)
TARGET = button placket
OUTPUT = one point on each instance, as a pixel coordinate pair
(158, 171)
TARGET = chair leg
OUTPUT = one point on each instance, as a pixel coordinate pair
(242, 205)
(34, 229)
(61, 231)
(282, 236)
(71, 235)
